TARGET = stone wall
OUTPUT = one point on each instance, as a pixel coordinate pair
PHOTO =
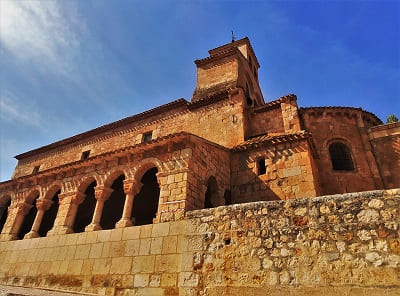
(290, 173)
(335, 245)
(268, 121)
(385, 141)
(221, 123)
(347, 126)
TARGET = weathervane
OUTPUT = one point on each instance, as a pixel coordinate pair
(233, 37)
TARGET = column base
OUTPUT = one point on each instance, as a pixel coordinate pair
(93, 227)
(124, 222)
(60, 230)
(8, 237)
(32, 234)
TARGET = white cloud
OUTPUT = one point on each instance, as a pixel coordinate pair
(40, 31)
(13, 110)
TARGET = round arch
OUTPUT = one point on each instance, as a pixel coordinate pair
(53, 189)
(115, 173)
(35, 192)
(340, 152)
(146, 164)
(87, 180)
(6, 197)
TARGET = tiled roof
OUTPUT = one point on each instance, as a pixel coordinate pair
(152, 112)
(271, 138)
(274, 103)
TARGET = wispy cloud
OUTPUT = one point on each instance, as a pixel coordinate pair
(39, 30)
(14, 110)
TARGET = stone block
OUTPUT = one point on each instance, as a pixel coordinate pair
(143, 264)
(132, 247)
(121, 265)
(168, 263)
(160, 229)
(82, 251)
(169, 244)
(129, 233)
(96, 250)
(169, 279)
(156, 245)
(141, 280)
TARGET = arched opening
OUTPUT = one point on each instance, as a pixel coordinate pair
(341, 157)
(227, 197)
(4, 214)
(114, 205)
(211, 196)
(85, 211)
(249, 101)
(28, 220)
(145, 204)
(49, 216)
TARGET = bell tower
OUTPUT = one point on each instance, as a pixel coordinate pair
(229, 66)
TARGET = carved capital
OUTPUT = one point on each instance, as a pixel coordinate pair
(23, 208)
(43, 204)
(78, 198)
(65, 198)
(102, 192)
(132, 186)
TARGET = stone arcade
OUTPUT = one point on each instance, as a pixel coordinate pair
(120, 209)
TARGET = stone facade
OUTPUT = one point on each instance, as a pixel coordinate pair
(114, 209)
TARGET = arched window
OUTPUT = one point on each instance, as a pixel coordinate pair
(341, 157)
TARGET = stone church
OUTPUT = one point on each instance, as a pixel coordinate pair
(225, 146)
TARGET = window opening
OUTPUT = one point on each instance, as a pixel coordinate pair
(262, 168)
(36, 169)
(85, 155)
(228, 197)
(249, 101)
(145, 204)
(4, 214)
(49, 216)
(28, 220)
(211, 196)
(86, 209)
(114, 205)
(341, 157)
(147, 137)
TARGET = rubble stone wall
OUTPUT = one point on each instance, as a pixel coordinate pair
(334, 245)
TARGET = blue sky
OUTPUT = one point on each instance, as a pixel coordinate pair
(70, 66)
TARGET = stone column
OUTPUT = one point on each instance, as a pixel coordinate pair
(131, 188)
(69, 203)
(17, 213)
(102, 194)
(42, 206)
